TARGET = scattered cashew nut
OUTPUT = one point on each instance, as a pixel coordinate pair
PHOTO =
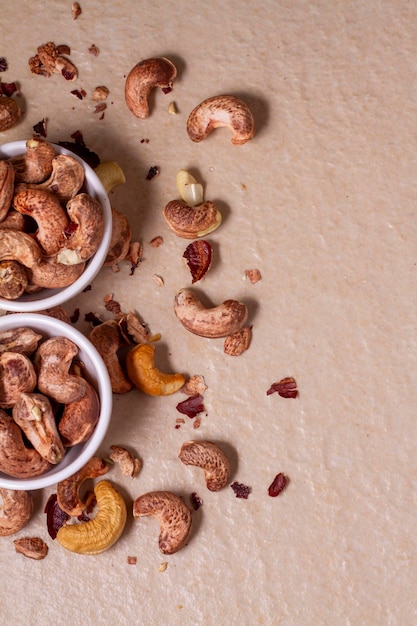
(192, 222)
(140, 365)
(172, 514)
(129, 465)
(142, 78)
(15, 510)
(211, 458)
(214, 322)
(221, 111)
(68, 490)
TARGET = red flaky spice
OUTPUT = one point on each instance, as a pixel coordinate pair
(241, 490)
(192, 406)
(198, 255)
(55, 516)
(286, 388)
(278, 484)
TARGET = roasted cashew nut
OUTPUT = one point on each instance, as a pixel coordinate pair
(23, 340)
(35, 165)
(19, 246)
(140, 365)
(49, 273)
(17, 375)
(192, 222)
(80, 418)
(221, 111)
(15, 510)
(214, 322)
(6, 188)
(66, 179)
(108, 339)
(173, 515)
(87, 214)
(15, 459)
(13, 220)
(52, 363)
(142, 78)
(212, 460)
(10, 113)
(103, 530)
(120, 238)
(13, 280)
(68, 490)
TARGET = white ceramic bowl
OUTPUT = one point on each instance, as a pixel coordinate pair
(76, 456)
(47, 298)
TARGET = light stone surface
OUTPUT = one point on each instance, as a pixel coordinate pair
(323, 202)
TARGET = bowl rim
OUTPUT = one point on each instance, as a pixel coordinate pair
(94, 265)
(103, 387)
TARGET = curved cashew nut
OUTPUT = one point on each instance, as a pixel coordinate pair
(49, 273)
(33, 413)
(66, 179)
(52, 362)
(35, 165)
(172, 514)
(17, 375)
(103, 530)
(19, 246)
(10, 113)
(221, 111)
(142, 78)
(23, 340)
(68, 491)
(211, 458)
(51, 219)
(214, 322)
(120, 238)
(87, 214)
(192, 222)
(15, 459)
(6, 188)
(13, 220)
(144, 375)
(13, 280)
(15, 510)
(107, 338)
(80, 418)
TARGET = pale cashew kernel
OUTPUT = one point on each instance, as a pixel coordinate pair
(35, 165)
(15, 510)
(13, 280)
(87, 213)
(107, 338)
(173, 515)
(101, 532)
(68, 490)
(212, 322)
(80, 418)
(221, 111)
(17, 375)
(110, 174)
(192, 222)
(6, 188)
(142, 78)
(190, 190)
(23, 340)
(140, 365)
(211, 458)
(15, 459)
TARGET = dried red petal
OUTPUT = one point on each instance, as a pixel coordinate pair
(93, 319)
(241, 490)
(55, 516)
(286, 388)
(153, 171)
(192, 406)
(278, 484)
(77, 92)
(78, 147)
(40, 127)
(196, 501)
(8, 89)
(198, 255)
(70, 229)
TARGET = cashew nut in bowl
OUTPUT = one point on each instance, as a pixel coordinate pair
(142, 78)
(49, 273)
(221, 111)
(213, 322)
(107, 339)
(68, 490)
(35, 165)
(87, 214)
(101, 532)
(6, 188)
(10, 113)
(17, 375)
(15, 458)
(13, 220)
(19, 246)
(211, 458)
(22, 339)
(66, 179)
(173, 515)
(192, 222)
(15, 510)
(80, 418)
(140, 365)
(13, 280)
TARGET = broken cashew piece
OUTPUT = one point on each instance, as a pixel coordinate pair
(214, 322)
(210, 458)
(173, 515)
(15, 459)
(190, 190)
(13, 280)
(15, 510)
(129, 465)
(221, 111)
(145, 76)
(192, 222)
(101, 532)
(140, 365)
(68, 490)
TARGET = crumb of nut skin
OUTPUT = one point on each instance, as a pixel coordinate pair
(163, 567)
(156, 241)
(238, 342)
(253, 275)
(132, 560)
(197, 423)
(158, 280)
(76, 10)
(94, 50)
(135, 253)
(100, 93)
(195, 385)
(100, 107)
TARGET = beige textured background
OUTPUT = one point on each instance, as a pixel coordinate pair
(323, 202)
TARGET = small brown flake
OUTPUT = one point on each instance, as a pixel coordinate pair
(94, 50)
(100, 93)
(238, 342)
(253, 275)
(241, 490)
(3, 64)
(79, 93)
(76, 10)
(134, 256)
(278, 484)
(112, 305)
(40, 128)
(152, 172)
(132, 560)
(156, 242)
(286, 388)
(196, 501)
(99, 108)
(31, 547)
(197, 422)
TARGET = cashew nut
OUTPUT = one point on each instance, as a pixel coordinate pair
(110, 174)
(35, 165)
(221, 111)
(129, 465)
(192, 222)
(80, 418)
(68, 490)
(142, 78)
(15, 510)
(49, 273)
(31, 547)
(52, 362)
(6, 188)
(173, 515)
(108, 339)
(17, 375)
(66, 179)
(144, 375)
(19, 246)
(211, 458)
(120, 238)
(13, 280)
(23, 340)
(103, 530)
(214, 322)
(87, 213)
(13, 220)
(15, 459)
(10, 113)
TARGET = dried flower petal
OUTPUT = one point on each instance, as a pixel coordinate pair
(278, 484)
(55, 516)
(241, 490)
(286, 388)
(192, 406)
(198, 255)
(40, 128)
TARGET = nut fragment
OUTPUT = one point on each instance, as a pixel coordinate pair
(190, 190)
(145, 76)
(68, 490)
(221, 111)
(13, 280)
(111, 175)
(210, 458)
(17, 375)
(31, 547)
(148, 378)
(238, 342)
(108, 339)
(15, 510)
(192, 222)
(15, 459)
(10, 113)
(101, 532)
(172, 514)
(129, 465)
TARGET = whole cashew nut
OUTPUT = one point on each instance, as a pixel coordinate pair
(13, 280)
(49, 273)
(23, 340)
(140, 365)
(211, 458)
(101, 532)
(214, 322)
(142, 78)
(221, 111)
(35, 165)
(15, 510)
(6, 188)
(87, 214)
(15, 459)
(17, 375)
(173, 515)
(19, 246)
(108, 339)
(192, 222)
(66, 179)
(80, 418)
(68, 490)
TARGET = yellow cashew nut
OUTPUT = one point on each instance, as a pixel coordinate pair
(144, 375)
(103, 530)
